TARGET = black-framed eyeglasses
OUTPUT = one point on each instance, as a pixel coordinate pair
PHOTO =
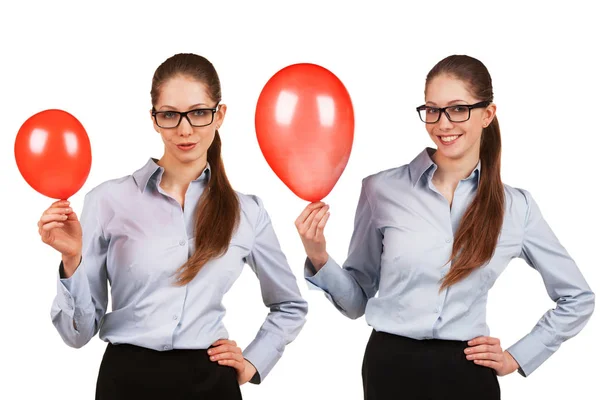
(197, 117)
(454, 113)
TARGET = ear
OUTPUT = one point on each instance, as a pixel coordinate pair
(489, 114)
(220, 115)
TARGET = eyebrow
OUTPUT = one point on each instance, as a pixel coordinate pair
(199, 105)
(451, 102)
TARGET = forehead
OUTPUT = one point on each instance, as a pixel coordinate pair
(182, 91)
(444, 89)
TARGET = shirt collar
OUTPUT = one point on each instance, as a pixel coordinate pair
(423, 163)
(152, 170)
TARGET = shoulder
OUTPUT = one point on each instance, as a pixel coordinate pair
(118, 187)
(252, 207)
(518, 202)
(383, 180)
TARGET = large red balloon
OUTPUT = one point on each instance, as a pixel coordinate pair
(53, 153)
(305, 127)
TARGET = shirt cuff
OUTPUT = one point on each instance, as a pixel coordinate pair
(71, 291)
(330, 278)
(264, 352)
(530, 352)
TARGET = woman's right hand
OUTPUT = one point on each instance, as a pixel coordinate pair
(59, 228)
(310, 225)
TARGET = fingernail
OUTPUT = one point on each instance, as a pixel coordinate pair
(467, 351)
(210, 351)
(213, 358)
(469, 357)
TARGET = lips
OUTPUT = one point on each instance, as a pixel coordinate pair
(449, 139)
(186, 146)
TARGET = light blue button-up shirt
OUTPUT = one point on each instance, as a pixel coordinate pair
(402, 240)
(135, 237)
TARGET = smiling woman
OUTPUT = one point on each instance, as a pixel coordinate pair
(169, 273)
(430, 238)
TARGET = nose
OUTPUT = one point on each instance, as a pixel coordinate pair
(444, 122)
(184, 128)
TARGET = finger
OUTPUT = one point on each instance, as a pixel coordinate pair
(312, 231)
(227, 356)
(483, 348)
(239, 366)
(61, 203)
(58, 210)
(483, 340)
(51, 218)
(224, 348)
(490, 364)
(304, 227)
(486, 356)
(322, 224)
(307, 211)
(52, 225)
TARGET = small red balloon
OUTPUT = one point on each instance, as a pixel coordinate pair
(53, 153)
(305, 128)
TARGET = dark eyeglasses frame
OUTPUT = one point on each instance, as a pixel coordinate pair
(481, 104)
(185, 114)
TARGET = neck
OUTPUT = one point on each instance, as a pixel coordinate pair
(178, 174)
(451, 171)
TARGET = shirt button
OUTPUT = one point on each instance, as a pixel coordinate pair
(448, 240)
(166, 347)
(182, 242)
(175, 317)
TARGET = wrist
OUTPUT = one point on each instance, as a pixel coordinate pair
(319, 261)
(70, 264)
(513, 365)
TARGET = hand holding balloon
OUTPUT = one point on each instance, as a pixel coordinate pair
(59, 228)
(310, 225)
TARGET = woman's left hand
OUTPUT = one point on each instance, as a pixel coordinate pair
(226, 352)
(487, 351)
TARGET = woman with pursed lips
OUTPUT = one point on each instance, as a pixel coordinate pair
(171, 239)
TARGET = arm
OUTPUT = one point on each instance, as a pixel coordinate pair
(349, 288)
(565, 285)
(82, 298)
(280, 293)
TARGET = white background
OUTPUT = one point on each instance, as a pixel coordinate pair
(96, 61)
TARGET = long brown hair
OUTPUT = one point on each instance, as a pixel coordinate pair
(218, 212)
(478, 232)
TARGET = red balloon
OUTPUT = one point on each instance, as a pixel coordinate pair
(305, 128)
(53, 153)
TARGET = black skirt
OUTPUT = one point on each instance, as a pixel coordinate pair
(396, 367)
(130, 372)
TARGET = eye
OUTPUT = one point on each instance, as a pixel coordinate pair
(459, 109)
(198, 113)
(168, 115)
(432, 110)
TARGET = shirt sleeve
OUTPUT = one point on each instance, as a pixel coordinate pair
(81, 300)
(350, 287)
(565, 285)
(280, 293)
